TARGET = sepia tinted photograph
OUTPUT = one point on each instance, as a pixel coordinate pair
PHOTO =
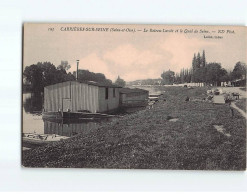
(114, 96)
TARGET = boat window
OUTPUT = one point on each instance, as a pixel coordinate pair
(114, 92)
(106, 93)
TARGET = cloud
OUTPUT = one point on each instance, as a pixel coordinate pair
(127, 55)
(94, 63)
(132, 63)
(182, 50)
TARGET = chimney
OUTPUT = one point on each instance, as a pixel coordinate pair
(77, 69)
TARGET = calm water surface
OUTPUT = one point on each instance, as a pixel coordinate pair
(33, 122)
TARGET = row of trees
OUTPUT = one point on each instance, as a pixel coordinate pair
(37, 76)
(85, 75)
(42, 74)
(203, 72)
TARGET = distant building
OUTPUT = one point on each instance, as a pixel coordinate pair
(239, 82)
(74, 96)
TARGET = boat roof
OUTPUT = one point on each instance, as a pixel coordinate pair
(94, 83)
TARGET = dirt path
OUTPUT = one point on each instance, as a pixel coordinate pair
(242, 93)
(233, 105)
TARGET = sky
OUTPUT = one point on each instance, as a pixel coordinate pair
(132, 55)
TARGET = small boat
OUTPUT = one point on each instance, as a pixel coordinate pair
(41, 139)
(155, 95)
(153, 99)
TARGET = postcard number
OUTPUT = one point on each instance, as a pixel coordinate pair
(51, 29)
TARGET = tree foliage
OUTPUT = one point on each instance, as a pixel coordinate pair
(214, 73)
(45, 73)
(86, 75)
(239, 71)
(209, 73)
(120, 82)
(203, 59)
(64, 66)
(168, 77)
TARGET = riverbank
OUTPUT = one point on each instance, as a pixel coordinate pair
(241, 104)
(152, 139)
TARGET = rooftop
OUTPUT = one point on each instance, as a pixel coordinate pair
(99, 84)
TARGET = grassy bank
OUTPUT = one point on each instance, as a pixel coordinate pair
(148, 139)
(241, 104)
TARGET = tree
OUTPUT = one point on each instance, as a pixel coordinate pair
(168, 77)
(198, 61)
(194, 62)
(120, 82)
(197, 74)
(177, 79)
(239, 71)
(203, 59)
(33, 75)
(64, 66)
(214, 73)
(187, 76)
(43, 74)
(225, 77)
(85, 75)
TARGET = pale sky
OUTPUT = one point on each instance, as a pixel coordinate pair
(132, 56)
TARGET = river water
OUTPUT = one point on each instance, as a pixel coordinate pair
(33, 122)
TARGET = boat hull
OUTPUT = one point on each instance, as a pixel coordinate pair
(74, 115)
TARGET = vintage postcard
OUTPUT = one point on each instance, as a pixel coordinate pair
(134, 96)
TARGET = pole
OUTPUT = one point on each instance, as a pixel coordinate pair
(77, 69)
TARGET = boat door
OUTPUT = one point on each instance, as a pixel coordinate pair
(121, 98)
(66, 105)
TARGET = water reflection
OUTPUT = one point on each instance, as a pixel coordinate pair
(34, 124)
(70, 127)
(32, 103)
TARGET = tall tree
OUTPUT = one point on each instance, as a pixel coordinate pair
(203, 59)
(193, 68)
(194, 62)
(198, 61)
